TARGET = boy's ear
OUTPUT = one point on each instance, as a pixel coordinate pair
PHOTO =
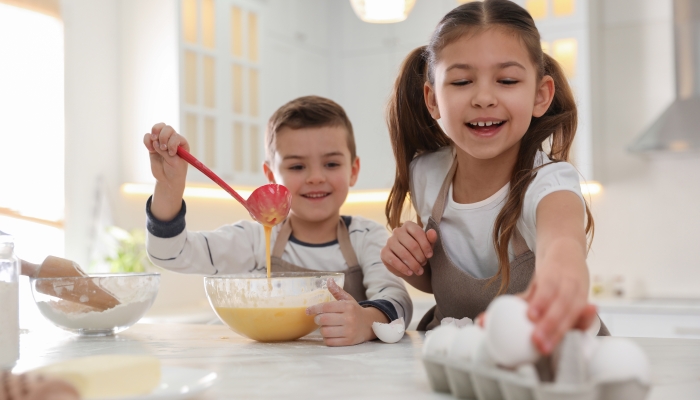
(430, 101)
(543, 96)
(268, 172)
(354, 171)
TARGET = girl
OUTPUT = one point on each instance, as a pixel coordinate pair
(480, 181)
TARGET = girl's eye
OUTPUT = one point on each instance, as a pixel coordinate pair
(461, 83)
(508, 81)
(332, 165)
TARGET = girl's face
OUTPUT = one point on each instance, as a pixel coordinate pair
(486, 91)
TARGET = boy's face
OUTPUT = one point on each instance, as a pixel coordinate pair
(315, 165)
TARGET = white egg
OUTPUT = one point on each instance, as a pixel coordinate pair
(482, 354)
(439, 342)
(618, 359)
(465, 342)
(509, 332)
(391, 332)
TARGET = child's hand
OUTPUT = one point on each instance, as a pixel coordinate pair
(558, 299)
(345, 322)
(168, 168)
(408, 249)
(162, 145)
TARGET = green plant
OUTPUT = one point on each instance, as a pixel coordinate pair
(130, 254)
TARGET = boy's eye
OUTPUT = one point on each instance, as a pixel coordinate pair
(332, 164)
(296, 167)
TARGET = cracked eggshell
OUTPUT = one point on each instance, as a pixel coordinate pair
(509, 332)
(618, 359)
(391, 332)
(465, 342)
(459, 323)
(439, 342)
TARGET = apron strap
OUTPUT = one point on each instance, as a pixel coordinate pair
(439, 206)
(516, 240)
(282, 239)
(345, 245)
(343, 240)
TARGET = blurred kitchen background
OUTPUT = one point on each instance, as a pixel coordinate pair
(81, 81)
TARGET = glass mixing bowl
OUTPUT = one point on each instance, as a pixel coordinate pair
(271, 310)
(64, 301)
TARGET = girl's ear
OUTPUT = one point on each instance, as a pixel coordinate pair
(268, 172)
(354, 171)
(430, 100)
(543, 96)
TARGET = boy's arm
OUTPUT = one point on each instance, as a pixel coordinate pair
(229, 249)
(384, 290)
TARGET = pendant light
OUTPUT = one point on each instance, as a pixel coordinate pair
(382, 11)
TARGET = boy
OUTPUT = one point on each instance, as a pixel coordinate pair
(310, 149)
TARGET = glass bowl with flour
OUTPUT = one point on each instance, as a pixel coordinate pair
(74, 303)
(270, 309)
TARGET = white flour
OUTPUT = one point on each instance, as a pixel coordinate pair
(61, 313)
(9, 323)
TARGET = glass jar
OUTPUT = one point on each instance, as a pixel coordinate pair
(9, 303)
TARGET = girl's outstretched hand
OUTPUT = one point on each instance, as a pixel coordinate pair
(558, 303)
(558, 292)
(344, 322)
(408, 249)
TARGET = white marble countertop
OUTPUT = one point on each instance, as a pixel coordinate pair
(306, 369)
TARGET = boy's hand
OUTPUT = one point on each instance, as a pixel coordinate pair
(345, 322)
(408, 249)
(162, 144)
(168, 168)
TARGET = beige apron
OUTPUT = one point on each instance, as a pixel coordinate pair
(353, 275)
(457, 293)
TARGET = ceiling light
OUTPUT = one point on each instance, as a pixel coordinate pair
(382, 11)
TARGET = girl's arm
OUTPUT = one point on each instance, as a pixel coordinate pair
(558, 293)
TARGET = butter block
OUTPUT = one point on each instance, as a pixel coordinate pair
(104, 376)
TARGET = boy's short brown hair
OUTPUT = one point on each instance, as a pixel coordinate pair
(307, 112)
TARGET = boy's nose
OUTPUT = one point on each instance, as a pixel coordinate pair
(315, 176)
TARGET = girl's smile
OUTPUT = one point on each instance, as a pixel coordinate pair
(485, 127)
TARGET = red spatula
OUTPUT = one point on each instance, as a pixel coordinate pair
(269, 204)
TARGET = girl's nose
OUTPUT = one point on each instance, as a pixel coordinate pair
(484, 96)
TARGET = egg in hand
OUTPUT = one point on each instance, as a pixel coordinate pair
(509, 332)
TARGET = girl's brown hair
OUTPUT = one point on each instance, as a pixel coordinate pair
(413, 131)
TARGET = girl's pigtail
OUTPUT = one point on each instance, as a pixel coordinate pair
(412, 130)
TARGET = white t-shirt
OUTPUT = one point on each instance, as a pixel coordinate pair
(467, 229)
(240, 248)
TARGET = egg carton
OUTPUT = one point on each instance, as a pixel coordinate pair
(469, 380)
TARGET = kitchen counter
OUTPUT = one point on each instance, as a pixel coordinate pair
(306, 369)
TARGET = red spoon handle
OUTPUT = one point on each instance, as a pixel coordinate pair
(185, 155)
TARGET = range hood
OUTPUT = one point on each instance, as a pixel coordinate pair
(678, 128)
